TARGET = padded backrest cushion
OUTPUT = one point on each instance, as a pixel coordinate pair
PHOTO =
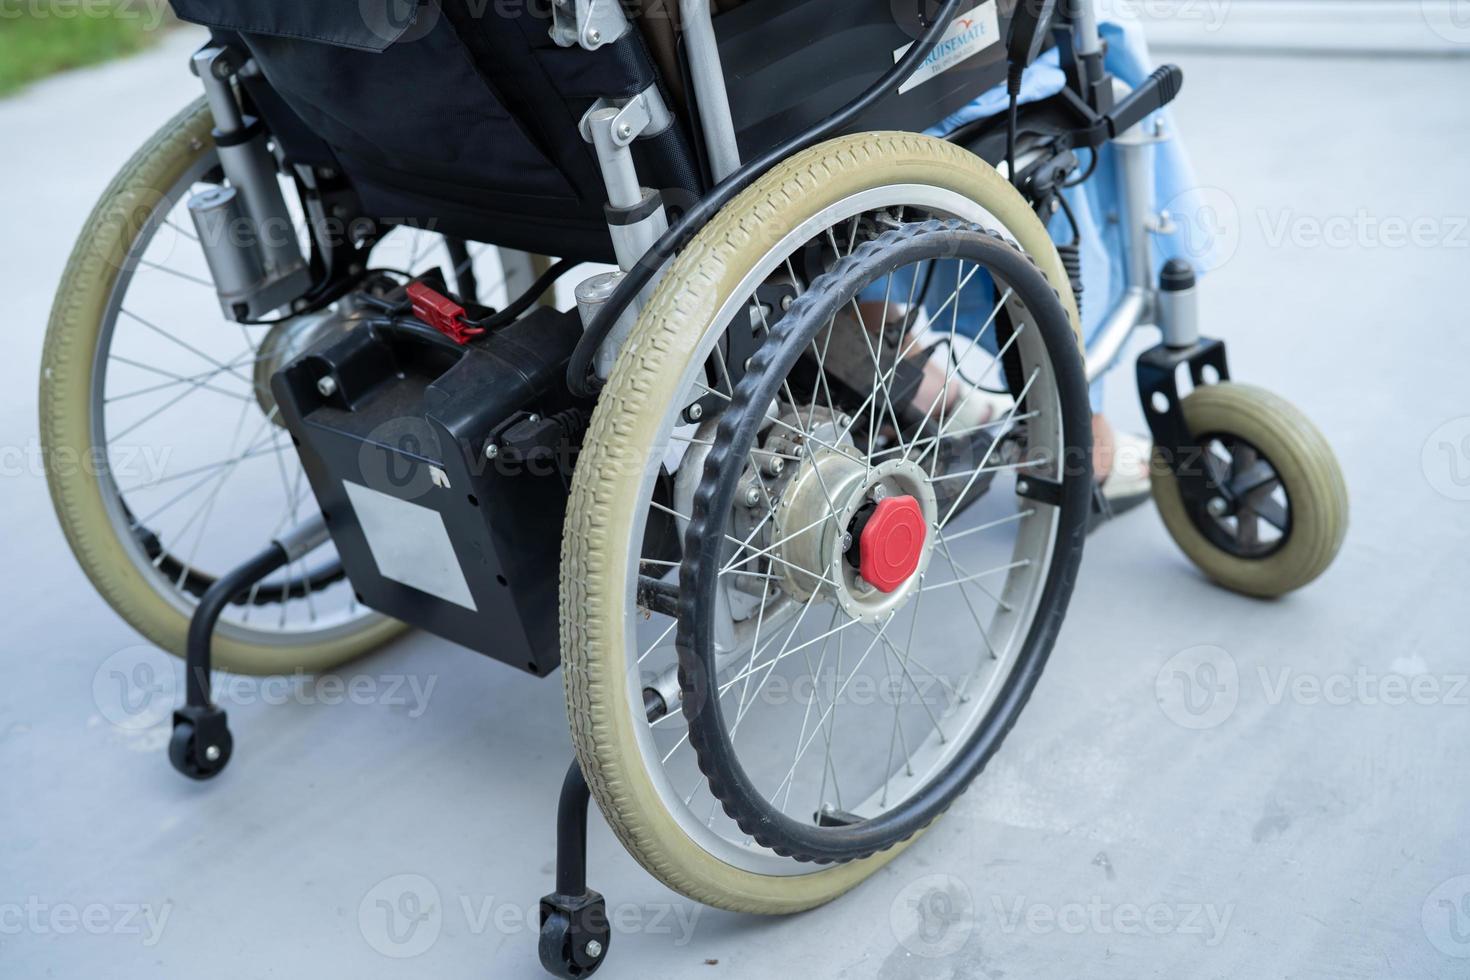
(464, 114)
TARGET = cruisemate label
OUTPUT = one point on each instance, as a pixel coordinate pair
(971, 33)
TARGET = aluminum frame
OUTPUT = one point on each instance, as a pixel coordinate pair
(1139, 305)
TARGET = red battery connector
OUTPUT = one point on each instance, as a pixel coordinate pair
(441, 313)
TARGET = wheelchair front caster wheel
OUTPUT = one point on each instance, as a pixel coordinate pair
(201, 744)
(574, 935)
(1282, 510)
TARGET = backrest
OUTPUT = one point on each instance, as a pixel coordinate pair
(461, 113)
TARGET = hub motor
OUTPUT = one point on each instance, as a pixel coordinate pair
(855, 533)
(292, 339)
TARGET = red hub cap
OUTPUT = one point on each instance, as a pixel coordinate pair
(892, 543)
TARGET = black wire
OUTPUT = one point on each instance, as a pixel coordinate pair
(413, 325)
(959, 372)
(1011, 141)
(391, 307)
(1013, 90)
(954, 360)
(1091, 167)
(527, 299)
(1071, 218)
(319, 297)
(928, 352)
(395, 272)
(579, 378)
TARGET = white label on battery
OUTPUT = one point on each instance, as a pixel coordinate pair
(971, 33)
(410, 544)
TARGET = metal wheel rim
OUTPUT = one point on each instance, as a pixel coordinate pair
(1262, 508)
(354, 618)
(750, 857)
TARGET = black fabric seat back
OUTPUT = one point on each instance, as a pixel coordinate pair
(460, 115)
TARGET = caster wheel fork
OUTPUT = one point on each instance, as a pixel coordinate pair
(574, 927)
(201, 744)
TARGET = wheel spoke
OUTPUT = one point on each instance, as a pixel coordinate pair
(201, 379)
(835, 698)
(1010, 417)
(827, 747)
(1272, 512)
(962, 577)
(175, 272)
(978, 575)
(942, 399)
(185, 345)
(259, 450)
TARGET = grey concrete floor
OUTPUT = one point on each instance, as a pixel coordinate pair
(1203, 786)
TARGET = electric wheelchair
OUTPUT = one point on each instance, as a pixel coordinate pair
(630, 341)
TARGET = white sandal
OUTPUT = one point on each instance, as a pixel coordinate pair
(1128, 483)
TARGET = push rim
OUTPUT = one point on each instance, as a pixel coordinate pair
(647, 639)
(921, 779)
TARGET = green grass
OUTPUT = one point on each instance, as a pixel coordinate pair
(42, 37)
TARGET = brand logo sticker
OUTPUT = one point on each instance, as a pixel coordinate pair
(968, 35)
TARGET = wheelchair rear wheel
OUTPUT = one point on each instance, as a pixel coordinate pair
(835, 602)
(165, 457)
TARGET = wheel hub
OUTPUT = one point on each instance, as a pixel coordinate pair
(855, 533)
(891, 543)
(288, 340)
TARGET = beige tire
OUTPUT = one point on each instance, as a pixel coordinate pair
(1309, 474)
(595, 598)
(69, 360)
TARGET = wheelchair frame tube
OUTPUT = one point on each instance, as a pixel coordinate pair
(710, 94)
(699, 214)
(1084, 27)
(1138, 304)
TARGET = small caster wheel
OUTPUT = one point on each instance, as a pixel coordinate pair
(1282, 510)
(201, 744)
(574, 934)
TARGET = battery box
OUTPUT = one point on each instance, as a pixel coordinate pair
(392, 423)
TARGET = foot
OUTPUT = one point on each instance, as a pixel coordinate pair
(969, 429)
(966, 407)
(1120, 463)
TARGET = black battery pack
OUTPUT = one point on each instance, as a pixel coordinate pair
(392, 423)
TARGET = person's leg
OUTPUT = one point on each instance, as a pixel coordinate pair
(1120, 464)
(1120, 461)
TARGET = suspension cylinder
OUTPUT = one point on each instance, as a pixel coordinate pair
(247, 234)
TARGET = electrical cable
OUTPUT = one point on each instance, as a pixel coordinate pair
(1013, 93)
(528, 298)
(1091, 168)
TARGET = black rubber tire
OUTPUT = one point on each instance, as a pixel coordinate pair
(181, 754)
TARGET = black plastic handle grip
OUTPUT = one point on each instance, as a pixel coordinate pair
(1157, 91)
